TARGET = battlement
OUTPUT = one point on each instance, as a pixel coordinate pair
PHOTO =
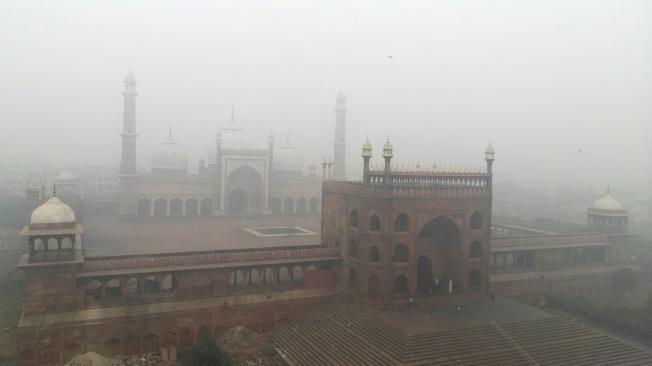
(453, 186)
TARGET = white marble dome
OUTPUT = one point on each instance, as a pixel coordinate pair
(607, 203)
(170, 156)
(53, 211)
(287, 158)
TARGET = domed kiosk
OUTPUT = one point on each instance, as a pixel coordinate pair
(607, 214)
(170, 159)
(53, 233)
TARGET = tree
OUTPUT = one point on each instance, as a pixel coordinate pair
(624, 279)
(207, 353)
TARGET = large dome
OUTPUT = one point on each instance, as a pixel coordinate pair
(171, 157)
(608, 203)
(53, 211)
(287, 158)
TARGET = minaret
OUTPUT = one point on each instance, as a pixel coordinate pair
(339, 145)
(366, 156)
(128, 173)
(128, 164)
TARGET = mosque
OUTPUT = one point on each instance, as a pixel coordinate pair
(333, 289)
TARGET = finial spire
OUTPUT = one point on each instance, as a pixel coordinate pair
(54, 190)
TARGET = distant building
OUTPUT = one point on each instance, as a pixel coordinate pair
(233, 179)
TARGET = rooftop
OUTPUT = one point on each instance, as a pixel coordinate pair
(111, 236)
(482, 332)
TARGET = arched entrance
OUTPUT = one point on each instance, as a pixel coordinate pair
(238, 200)
(245, 189)
(440, 240)
(424, 275)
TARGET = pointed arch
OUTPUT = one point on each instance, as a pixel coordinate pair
(353, 218)
(374, 223)
(160, 207)
(402, 223)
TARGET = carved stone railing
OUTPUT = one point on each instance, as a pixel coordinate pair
(207, 257)
(443, 189)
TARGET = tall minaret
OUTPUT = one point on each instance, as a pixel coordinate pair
(128, 164)
(339, 145)
(128, 173)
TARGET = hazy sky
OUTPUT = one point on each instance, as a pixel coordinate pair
(540, 79)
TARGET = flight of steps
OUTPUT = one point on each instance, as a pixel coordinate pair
(347, 334)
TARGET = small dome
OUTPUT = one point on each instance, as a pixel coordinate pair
(170, 157)
(388, 149)
(287, 158)
(608, 203)
(66, 176)
(53, 211)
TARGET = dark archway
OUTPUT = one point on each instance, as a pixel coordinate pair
(424, 275)
(353, 218)
(401, 253)
(144, 207)
(176, 207)
(238, 200)
(440, 240)
(402, 223)
(475, 280)
(191, 207)
(401, 286)
(373, 286)
(160, 207)
(374, 223)
(302, 205)
(248, 180)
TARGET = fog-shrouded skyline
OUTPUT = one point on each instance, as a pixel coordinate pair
(561, 88)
